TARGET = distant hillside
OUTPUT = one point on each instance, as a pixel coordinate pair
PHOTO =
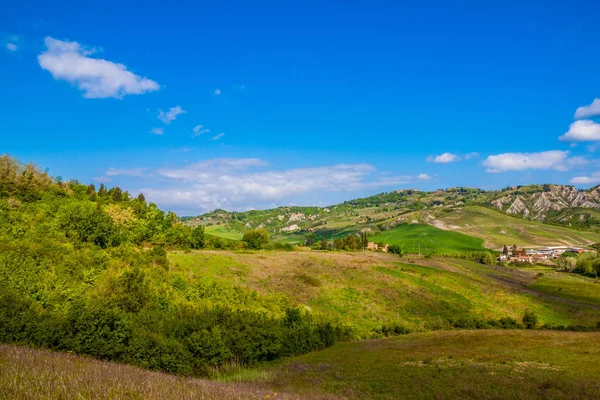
(562, 206)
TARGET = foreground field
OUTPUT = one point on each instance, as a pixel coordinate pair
(40, 374)
(364, 290)
(452, 365)
(449, 365)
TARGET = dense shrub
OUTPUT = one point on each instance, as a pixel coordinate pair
(530, 320)
(255, 239)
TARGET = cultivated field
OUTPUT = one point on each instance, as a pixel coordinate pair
(426, 239)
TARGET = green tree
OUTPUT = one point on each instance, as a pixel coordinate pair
(256, 238)
(197, 237)
(324, 243)
(530, 320)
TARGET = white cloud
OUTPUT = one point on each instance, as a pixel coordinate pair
(96, 77)
(137, 172)
(171, 115)
(586, 180)
(11, 46)
(471, 155)
(219, 136)
(582, 131)
(589, 110)
(554, 159)
(444, 158)
(217, 92)
(199, 130)
(577, 161)
(157, 131)
(251, 183)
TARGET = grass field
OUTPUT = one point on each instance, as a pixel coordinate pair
(498, 229)
(428, 239)
(222, 231)
(569, 286)
(513, 364)
(367, 289)
(452, 365)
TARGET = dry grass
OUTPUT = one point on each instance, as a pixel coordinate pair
(39, 374)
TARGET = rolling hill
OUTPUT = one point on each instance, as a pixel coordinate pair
(556, 215)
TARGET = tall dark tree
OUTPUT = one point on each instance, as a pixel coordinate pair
(141, 198)
(505, 250)
(91, 189)
(102, 191)
(117, 194)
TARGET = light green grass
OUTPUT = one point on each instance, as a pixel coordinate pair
(498, 229)
(451, 365)
(569, 286)
(224, 232)
(426, 239)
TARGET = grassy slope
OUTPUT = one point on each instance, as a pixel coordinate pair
(366, 289)
(222, 231)
(498, 229)
(574, 287)
(452, 365)
(40, 374)
(430, 239)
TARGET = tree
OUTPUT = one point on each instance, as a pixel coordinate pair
(91, 189)
(117, 194)
(530, 320)
(505, 250)
(102, 191)
(198, 237)
(324, 244)
(515, 251)
(364, 240)
(256, 238)
(310, 239)
(141, 198)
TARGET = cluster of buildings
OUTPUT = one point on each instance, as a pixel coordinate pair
(532, 255)
(377, 247)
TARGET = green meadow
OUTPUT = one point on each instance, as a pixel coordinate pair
(426, 239)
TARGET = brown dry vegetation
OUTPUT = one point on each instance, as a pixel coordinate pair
(39, 374)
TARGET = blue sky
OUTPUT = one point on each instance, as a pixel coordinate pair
(255, 104)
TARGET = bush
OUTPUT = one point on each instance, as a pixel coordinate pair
(395, 249)
(530, 320)
(255, 239)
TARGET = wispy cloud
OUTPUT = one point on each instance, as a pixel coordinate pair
(219, 136)
(217, 92)
(11, 46)
(96, 77)
(444, 158)
(157, 131)
(242, 183)
(584, 130)
(590, 110)
(586, 180)
(137, 172)
(200, 130)
(553, 159)
(171, 115)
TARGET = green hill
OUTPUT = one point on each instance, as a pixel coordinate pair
(426, 239)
